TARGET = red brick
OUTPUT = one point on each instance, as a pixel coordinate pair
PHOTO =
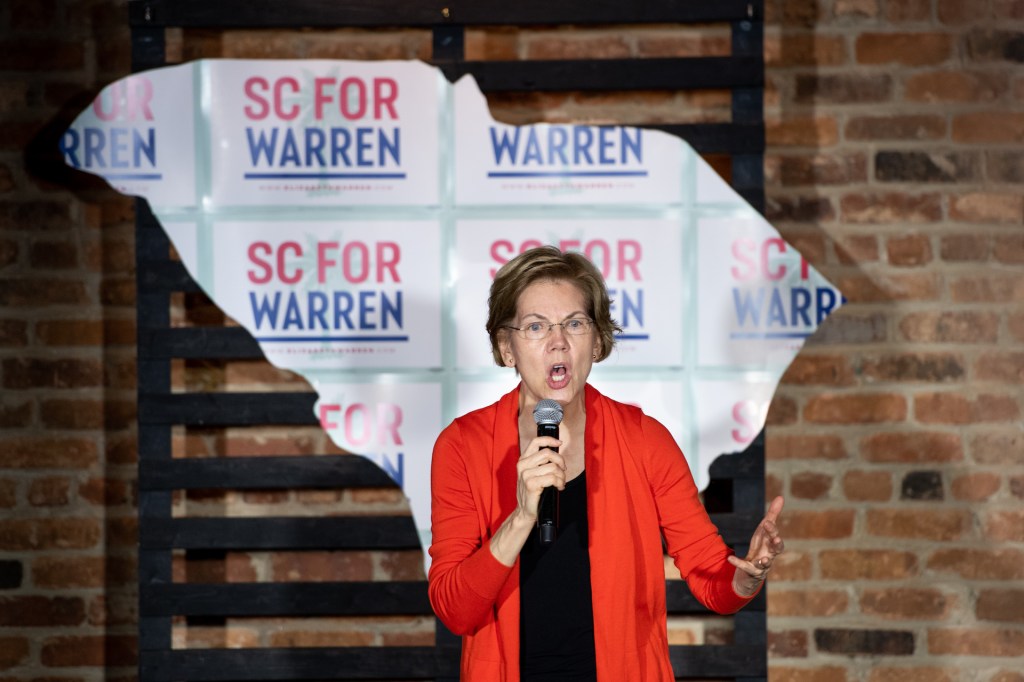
(1004, 526)
(792, 566)
(913, 367)
(972, 564)
(956, 12)
(913, 674)
(891, 207)
(867, 486)
(814, 132)
(801, 209)
(61, 533)
(858, 408)
(909, 250)
(781, 412)
(960, 248)
(833, 673)
(14, 651)
(829, 370)
(806, 603)
(49, 492)
(895, 127)
(919, 524)
(999, 448)
(19, 373)
(321, 566)
(49, 453)
(22, 611)
(773, 487)
(400, 565)
(1009, 249)
(51, 255)
(854, 249)
(887, 288)
(16, 416)
(907, 10)
(904, 603)
(988, 127)
(70, 332)
(976, 487)
(1001, 367)
(8, 494)
(313, 638)
(1015, 323)
(953, 408)
(787, 643)
(829, 525)
(951, 327)
(34, 292)
(1017, 486)
(1007, 676)
(678, 44)
(1000, 605)
(822, 169)
(987, 207)
(909, 49)
(581, 47)
(843, 88)
(106, 492)
(808, 485)
(804, 50)
(976, 642)
(996, 288)
(92, 651)
(13, 334)
(56, 572)
(41, 55)
(954, 85)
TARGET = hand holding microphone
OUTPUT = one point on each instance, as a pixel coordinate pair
(548, 415)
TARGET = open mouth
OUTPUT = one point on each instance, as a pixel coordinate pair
(558, 375)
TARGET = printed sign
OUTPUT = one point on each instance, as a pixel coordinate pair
(560, 163)
(324, 133)
(639, 259)
(367, 293)
(351, 217)
(139, 136)
(758, 297)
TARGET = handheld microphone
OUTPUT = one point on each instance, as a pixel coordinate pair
(548, 415)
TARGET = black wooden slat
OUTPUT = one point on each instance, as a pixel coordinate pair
(381, 13)
(164, 276)
(352, 532)
(199, 343)
(287, 599)
(707, 661)
(334, 663)
(263, 473)
(682, 73)
(718, 138)
(736, 529)
(228, 409)
(680, 601)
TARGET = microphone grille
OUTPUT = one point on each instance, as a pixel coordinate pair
(547, 412)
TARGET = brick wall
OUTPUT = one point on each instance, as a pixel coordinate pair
(896, 163)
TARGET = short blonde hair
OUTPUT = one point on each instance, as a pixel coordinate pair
(549, 263)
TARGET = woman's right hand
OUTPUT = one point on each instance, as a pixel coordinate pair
(539, 467)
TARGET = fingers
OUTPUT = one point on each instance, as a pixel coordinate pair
(774, 509)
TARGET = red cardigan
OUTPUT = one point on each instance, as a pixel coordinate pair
(638, 486)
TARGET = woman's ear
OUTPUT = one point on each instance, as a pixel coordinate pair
(505, 346)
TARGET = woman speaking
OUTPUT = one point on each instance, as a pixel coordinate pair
(589, 605)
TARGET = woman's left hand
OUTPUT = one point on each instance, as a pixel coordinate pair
(765, 545)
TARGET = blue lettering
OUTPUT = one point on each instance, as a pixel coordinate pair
(289, 150)
(363, 147)
(69, 147)
(800, 300)
(262, 308)
(392, 147)
(826, 302)
(340, 140)
(776, 311)
(582, 138)
(392, 309)
(315, 141)
(261, 146)
(504, 145)
(365, 309)
(532, 152)
(94, 142)
(147, 147)
(745, 305)
(397, 473)
(631, 145)
(117, 147)
(292, 313)
(342, 309)
(605, 144)
(317, 309)
(557, 137)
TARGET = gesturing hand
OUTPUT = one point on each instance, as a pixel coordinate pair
(765, 545)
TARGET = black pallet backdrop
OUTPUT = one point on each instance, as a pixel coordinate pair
(735, 496)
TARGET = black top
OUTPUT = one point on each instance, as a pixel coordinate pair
(556, 631)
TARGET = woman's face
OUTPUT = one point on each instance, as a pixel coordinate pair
(555, 367)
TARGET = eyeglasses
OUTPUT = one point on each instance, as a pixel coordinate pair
(535, 331)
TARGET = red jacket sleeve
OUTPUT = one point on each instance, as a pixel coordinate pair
(464, 578)
(694, 544)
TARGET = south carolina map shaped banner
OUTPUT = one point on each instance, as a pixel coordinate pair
(351, 215)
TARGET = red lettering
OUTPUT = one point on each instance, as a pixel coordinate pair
(296, 276)
(779, 272)
(325, 423)
(353, 108)
(253, 87)
(740, 250)
(382, 99)
(279, 108)
(388, 254)
(629, 258)
(499, 258)
(322, 262)
(349, 268)
(267, 272)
